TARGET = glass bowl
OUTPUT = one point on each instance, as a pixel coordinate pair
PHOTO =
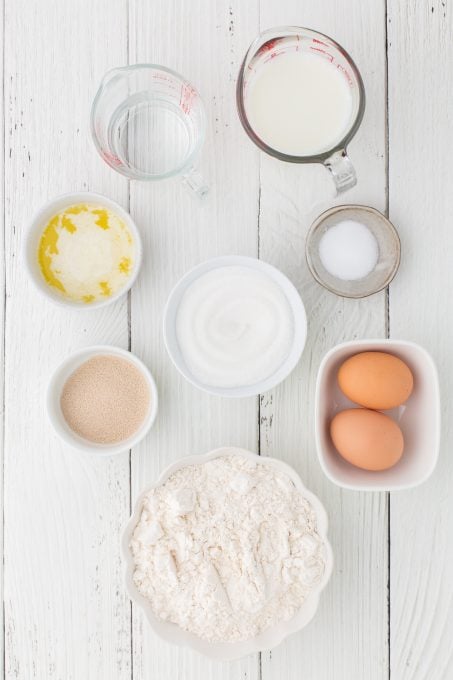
(388, 243)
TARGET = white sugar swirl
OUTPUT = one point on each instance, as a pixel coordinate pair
(234, 327)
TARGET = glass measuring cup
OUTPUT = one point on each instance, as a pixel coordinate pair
(275, 42)
(148, 123)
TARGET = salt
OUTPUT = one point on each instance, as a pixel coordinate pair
(349, 251)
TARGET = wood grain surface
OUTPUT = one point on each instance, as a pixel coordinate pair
(421, 204)
(291, 196)
(66, 612)
(387, 612)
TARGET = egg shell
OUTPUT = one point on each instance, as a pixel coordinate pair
(376, 380)
(368, 439)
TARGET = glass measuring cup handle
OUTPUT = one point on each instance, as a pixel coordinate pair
(342, 170)
(194, 181)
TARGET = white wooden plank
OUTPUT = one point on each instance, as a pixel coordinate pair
(66, 612)
(421, 204)
(204, 40)
(348, 637)
(2, 334)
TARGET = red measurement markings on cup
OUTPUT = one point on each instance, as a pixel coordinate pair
(162, 76)
(331, 58)
(170, 82)
(187, 96)
(321, 50)
(346, 74)
(110, 158)
(268, 46)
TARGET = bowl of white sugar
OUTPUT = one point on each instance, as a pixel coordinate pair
(235, 326)
(353, 250)
(227, 553)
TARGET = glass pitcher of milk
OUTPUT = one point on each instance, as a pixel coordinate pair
(301, 99)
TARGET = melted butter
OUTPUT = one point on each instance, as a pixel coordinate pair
(86, 252)
(68, 224)
(103, 220)
(47, 248)
(125, 265)
(105, 288)
(76, 209)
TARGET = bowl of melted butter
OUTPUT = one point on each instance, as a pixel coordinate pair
(83, 250)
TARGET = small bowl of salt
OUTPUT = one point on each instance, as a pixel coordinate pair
(353, 250)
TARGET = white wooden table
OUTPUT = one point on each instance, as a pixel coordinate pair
(388, 610)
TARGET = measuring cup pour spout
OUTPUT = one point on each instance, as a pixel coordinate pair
(342, 170)
(112, 75)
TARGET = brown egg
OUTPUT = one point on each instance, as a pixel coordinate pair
(368, 439)
(376, 380)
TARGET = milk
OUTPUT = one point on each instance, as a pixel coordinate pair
(299, 103)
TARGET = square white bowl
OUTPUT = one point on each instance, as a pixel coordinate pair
(418, 418)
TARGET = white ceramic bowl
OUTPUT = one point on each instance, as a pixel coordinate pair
(54, 389)
(291, 294)
(269, 638)
(35, 230)
(419, 419)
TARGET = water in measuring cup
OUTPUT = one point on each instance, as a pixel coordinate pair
(299, 104)
(152, 136)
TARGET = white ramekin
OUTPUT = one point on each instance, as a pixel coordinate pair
(54, 389)
(35, 230)
(287, 288)
(419, 419)
(272, 636)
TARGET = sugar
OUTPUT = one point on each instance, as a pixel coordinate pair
(349, 251)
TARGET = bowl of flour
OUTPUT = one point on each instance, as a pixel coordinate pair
(227, 553)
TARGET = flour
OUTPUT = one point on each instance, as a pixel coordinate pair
(227, 548)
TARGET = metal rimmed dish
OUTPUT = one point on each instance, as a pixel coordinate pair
(270, 637)
(388, 244)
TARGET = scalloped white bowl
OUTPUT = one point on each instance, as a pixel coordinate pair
(272, 636)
